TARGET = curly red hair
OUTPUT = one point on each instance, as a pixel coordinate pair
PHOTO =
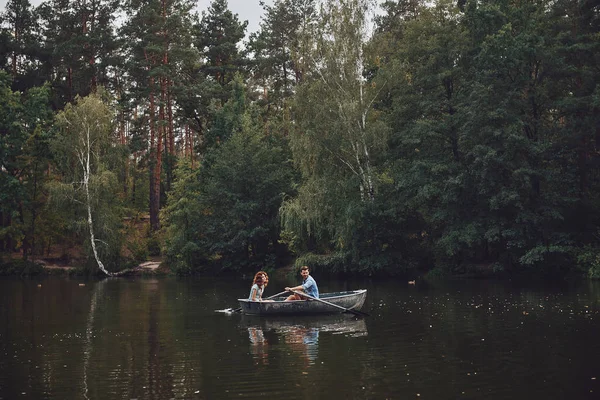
(264, 278)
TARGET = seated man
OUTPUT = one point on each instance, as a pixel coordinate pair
(309, 286)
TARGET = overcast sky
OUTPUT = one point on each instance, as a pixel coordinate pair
(247, 10)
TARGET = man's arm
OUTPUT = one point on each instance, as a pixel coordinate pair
(309, 282)
(295, 288)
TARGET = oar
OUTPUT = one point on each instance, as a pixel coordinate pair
(268, 298)
(355, 312)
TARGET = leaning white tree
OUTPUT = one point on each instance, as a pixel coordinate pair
(80, 148)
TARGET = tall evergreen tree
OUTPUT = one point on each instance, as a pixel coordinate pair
(19, 21)
(160, 47)
(19, 42)
(228, 209)
(24, 132)
(80, 45)
(277, 55)
(217, 37)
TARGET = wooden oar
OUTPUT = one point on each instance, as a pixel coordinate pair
(268, 298)
(275, 295)
(349, 310)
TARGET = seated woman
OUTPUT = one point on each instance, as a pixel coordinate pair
(265, 278)
(258, 286)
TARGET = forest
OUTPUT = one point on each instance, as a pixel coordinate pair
(364, 138)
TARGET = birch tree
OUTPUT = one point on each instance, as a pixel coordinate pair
(82, 149)
(334, 118)
(338, 136)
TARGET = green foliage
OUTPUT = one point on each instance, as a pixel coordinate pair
(139, 251)
(588, 260)
(24, 127)
(277, 60)
(324, 264)
(84, 153)
(461, 136)
(153, 246)
(20, 268)
(474, 111)
(77, 47)
(217, 37)
(226, 211)
(242, 191)
(183, 221)
(338, 144)
(11, 141)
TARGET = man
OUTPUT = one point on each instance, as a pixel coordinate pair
(308, 286)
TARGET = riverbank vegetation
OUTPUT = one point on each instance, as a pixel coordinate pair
(383, 140)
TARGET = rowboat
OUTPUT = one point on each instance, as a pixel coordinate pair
(351, 300)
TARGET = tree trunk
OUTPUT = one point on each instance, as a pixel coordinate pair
(86, 180)
(153, 164)
(158, 165)
(70, 83)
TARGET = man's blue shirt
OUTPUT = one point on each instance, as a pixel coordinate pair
(310, 287)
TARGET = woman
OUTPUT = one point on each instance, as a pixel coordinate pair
(265, 278)
(258, 286)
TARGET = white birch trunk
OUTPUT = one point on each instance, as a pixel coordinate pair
(85, 164)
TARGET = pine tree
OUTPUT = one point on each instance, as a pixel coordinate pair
(79, 44)
(217, 37)
(159, 53)
(277, 54)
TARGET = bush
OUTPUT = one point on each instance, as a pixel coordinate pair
(21, 268)
(153, 245)
(588, 260)
(334, 263)
(139, 250)
(183, 269)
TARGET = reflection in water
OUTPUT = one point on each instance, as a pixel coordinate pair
(259, 347)
(304, 341)
(300, 334)
(161, 339)
(89, 331)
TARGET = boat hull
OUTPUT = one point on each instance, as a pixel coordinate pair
(351, 300)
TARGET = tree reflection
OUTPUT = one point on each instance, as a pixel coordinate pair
(89, 333)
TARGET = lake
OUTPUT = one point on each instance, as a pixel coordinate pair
(160, 338)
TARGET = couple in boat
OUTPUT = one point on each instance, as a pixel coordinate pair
(308, 286)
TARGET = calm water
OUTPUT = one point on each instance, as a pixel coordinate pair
(161, 339)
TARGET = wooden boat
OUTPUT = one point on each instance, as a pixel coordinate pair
(352, 300)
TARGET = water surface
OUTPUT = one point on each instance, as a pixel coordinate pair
(161, 338)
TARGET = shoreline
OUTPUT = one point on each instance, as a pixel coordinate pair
(48, 267)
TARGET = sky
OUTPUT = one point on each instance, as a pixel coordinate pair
(247, 10)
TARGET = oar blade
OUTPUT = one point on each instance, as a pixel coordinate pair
(229, 310)
(357, 313)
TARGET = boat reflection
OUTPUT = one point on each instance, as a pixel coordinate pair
(259, 346)
(300, 334)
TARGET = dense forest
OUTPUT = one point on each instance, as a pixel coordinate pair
(357, 137)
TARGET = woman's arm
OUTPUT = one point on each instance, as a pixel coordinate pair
(253, 293)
